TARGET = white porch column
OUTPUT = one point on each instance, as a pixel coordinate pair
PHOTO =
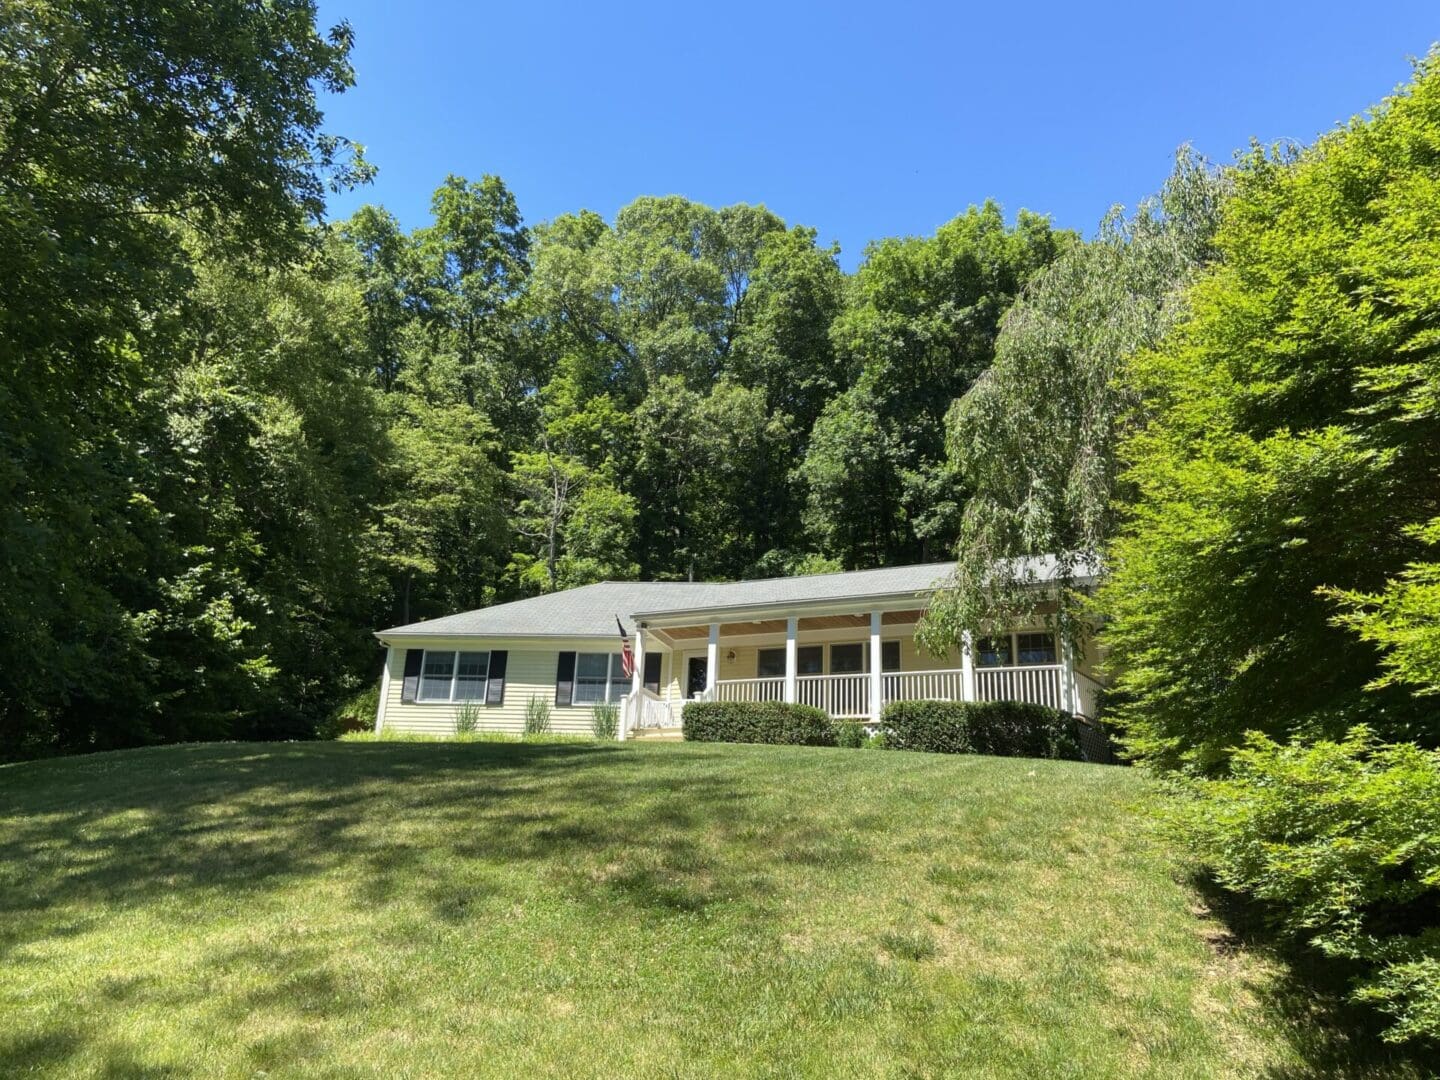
(792, 663)
(630, 708)
(1067, 677)
(712, 659)
(967, 665)
(877, 665)
(637, 677)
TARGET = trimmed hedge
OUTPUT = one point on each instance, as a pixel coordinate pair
(1001, 728)
(757, 722)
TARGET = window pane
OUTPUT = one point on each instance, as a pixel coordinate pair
(594, 665)
(810, 659)
(589, 691)
(889, 656)
(770, 663)
(472, 670)
(435, 676)
(847, 659)
(592, 677)
(1037, 648)
(993, 652)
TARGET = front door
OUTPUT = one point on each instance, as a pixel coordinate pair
(695, 676)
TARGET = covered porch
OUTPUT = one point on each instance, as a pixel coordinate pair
(826, 659)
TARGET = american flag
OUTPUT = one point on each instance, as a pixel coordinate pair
(627, 658)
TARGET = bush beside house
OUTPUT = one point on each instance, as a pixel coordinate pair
(757, 722)
(1001, 728)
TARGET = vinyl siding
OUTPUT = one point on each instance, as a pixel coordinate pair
(530, 671)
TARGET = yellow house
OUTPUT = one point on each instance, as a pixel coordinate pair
(813, 639)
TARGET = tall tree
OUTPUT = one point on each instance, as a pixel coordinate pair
(1034, 440)
(390, 274)
(1286, 451)
(118, 125)
(473, 263)
(919, 329)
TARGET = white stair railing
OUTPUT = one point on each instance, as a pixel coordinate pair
(648, 709)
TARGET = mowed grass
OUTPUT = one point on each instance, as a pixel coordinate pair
(518, 910)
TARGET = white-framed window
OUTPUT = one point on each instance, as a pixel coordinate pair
(598, 678)
(993, 651)
(1036, 648)
(1005, 650)
(447, 675)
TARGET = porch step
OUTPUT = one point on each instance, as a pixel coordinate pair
(659, 734)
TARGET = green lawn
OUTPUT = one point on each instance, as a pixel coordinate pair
(410, 909)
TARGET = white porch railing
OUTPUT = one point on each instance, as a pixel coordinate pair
(845, 696)
(947, 685)
(1038, 684)
(839, 695)
(750, 689)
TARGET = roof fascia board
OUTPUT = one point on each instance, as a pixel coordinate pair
(803, 608)
(386, 637)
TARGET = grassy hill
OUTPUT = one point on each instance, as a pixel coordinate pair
(394, 909)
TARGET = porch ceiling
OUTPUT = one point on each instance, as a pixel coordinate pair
(673, 634)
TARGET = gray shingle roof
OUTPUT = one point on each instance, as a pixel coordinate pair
(590, 610)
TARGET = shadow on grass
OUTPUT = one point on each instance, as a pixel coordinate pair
(1332, 1035)
(225, 816)
(180, 830)
(187, 828)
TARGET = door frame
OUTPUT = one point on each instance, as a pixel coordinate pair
(687, 656)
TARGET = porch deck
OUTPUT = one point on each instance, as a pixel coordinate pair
(847, 696)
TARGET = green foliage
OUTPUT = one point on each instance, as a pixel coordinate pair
(850, 734)
(1282, 501)
(757, 722)
(537, 716)
(605, 720)
(467, 718)
(1001, 728)
(128, 616)
(355, 715)
(1403, 619)
(1341, 841)
(920, 327)
(1288, 449)
(1034, 440)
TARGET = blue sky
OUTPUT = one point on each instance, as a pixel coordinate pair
(862, 120)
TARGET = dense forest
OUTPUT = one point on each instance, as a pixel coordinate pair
(237, 437)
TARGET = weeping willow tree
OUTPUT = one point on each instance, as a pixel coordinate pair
(1034, 439)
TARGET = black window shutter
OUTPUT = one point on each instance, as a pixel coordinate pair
(495, 689)
(652, 672)
(410, 688)
(565, 679)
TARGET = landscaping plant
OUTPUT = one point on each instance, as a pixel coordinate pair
(605, 720)
(757, 722)
(1001, 728)
(467, 718)
(537, 716)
